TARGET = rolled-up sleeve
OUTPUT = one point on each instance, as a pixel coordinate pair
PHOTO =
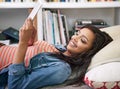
(43, 76)
(15, 76)
(16, 69)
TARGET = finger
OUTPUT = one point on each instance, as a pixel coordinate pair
(30, 20)
(30, 23)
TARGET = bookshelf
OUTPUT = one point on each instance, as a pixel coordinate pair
(14, 12)
(17, 5)
(69, 5)
(109, 11)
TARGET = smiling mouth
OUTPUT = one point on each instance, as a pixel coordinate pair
(72, 44)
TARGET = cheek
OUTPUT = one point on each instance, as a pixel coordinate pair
(82, 47)
(79, 49)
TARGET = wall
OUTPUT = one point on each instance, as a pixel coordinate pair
(16, 17)
(12, 18)
(117, 19)
(106, 14)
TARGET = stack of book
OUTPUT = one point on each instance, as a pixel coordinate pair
(9, 36)
(79, 1)
(55, 30)
(96, 22)
(18, 0)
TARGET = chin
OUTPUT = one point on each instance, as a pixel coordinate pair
(70, 49)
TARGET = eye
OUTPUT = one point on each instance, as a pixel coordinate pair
(83, 40)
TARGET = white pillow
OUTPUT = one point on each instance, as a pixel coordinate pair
(104, 70)
(106, 75)
(113, 31)
(109, 53)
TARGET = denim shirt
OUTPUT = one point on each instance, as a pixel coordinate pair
(43, 70)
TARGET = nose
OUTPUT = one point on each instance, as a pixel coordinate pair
(75, 38)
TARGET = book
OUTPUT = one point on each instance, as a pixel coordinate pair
(35, 10)
(90, 21)
(56, 29)
(6, 42)
(1, 0)
(62, 0)
(51, 28)
(66, 32)
(99, 26)
(44, 25)
(12, 33)
(55, 0)
(48, 27)
(62, 35)
(7, 0)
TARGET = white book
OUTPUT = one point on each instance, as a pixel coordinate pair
(12, 0)
(50, 35)
(72, 0)
(6, 42)
(62, 35)
(35, 10)
(66, 0)
(56, 29)
(46, 31)
(82, 0)
(17, 1)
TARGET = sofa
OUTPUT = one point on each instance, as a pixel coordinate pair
(104, 71)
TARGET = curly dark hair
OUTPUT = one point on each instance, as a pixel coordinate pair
(81, 62)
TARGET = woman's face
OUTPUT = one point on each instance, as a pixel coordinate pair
(80, 42)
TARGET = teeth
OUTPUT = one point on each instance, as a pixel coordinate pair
(72, 44)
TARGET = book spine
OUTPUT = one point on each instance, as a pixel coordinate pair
(56, 29)
(91, 22)
(7, 0)
(62, 0)
(99, 26)
(61, 29)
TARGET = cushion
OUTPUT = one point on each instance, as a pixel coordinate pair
(109, 53)
(113, 31)
(6, 57)
(106, 76)
(104, 71)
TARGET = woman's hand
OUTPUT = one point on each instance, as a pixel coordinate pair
(32, 38)
(27, 33)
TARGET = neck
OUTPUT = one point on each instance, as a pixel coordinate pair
(67, 53)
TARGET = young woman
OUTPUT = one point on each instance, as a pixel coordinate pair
(51, 65)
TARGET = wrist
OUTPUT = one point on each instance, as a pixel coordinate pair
(20, 53)
(23, 44)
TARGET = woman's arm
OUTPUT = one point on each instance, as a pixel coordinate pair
(26, 32)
